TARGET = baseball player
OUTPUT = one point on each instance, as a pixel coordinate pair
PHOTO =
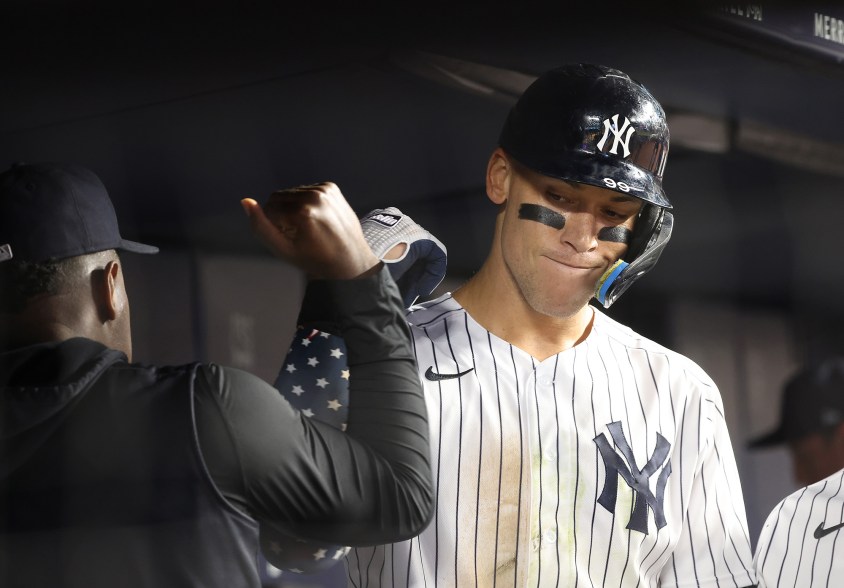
(811, 421)
(567, 449)
(800, 544)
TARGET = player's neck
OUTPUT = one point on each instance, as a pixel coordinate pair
(504, 312)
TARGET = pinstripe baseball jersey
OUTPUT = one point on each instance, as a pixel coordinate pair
(608, 464)
(802, 542)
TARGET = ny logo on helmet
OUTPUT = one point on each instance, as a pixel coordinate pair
(624, 465)
(620, 135)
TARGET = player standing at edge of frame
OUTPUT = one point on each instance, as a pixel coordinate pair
(802, 540)
(569, 450)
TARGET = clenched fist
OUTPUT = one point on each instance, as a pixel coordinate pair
(314, 228)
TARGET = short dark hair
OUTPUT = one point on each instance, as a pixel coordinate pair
(22, 281)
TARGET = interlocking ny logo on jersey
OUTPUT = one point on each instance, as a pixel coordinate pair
(621, 136)
(623, 463)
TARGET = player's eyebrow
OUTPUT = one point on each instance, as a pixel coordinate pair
(623, 198)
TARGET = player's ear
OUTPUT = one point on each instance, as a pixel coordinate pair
(108, 291)
(498, 172)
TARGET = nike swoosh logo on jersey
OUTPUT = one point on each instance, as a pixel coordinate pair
(821, 532)
(435, 377)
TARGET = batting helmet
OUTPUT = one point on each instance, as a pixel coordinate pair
(595, 125)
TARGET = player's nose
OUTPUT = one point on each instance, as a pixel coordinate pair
(580, 231)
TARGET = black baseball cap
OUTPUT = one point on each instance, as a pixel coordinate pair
(53, 211)
(812, 402)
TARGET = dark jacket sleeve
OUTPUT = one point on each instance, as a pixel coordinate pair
(305, 479)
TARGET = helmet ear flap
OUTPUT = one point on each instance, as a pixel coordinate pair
(644, 230)
(647, 244)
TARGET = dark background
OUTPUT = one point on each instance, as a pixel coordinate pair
(182, 109)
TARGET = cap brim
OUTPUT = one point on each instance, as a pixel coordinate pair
(136, 247)
(586, 168)
(775, 437)
(590, 169)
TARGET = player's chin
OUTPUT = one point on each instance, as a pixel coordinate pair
(562, 305)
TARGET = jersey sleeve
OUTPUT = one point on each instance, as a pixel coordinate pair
(714, 547)
(307, 480)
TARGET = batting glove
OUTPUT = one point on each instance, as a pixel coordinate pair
(421, 267)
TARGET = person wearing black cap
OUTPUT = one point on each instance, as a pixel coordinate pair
(812, 422)
(115, 473)
(569, 450)
(799, 545)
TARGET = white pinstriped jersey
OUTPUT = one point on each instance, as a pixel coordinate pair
(522, 450)
(802, 542)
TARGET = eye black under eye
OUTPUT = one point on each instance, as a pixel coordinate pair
(617, 234)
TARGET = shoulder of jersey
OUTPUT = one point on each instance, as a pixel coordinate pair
(612, 329)
(801, 503)
(831, 488)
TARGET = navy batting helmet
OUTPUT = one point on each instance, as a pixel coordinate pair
(595, 125)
